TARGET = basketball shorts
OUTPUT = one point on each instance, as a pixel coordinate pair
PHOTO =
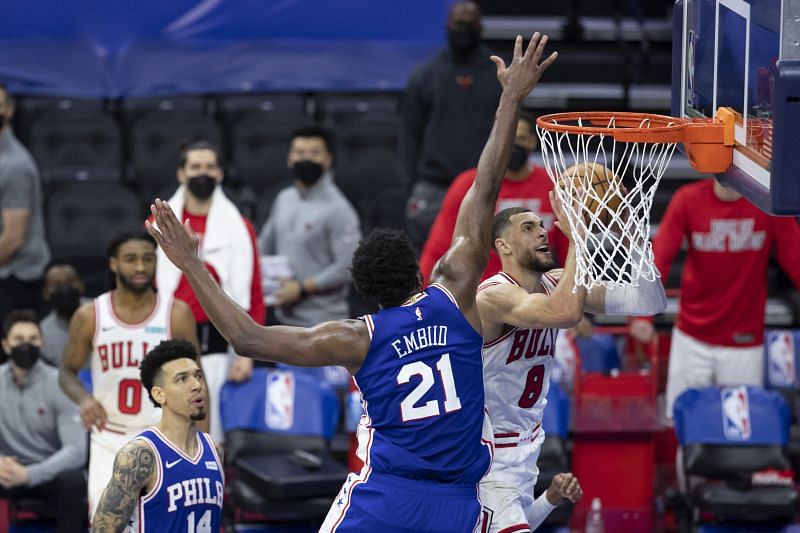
(374, 501)
(694, 364)
(507, 490)
(103, 448)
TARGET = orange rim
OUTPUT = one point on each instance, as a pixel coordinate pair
(627, 126)
(708, 142)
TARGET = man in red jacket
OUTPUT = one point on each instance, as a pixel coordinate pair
(719, 332)
(523, 186)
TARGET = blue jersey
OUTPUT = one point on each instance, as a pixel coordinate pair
(187, 496)
(421, 387)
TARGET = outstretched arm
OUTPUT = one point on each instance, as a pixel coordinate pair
(134, 467)
(344, 342)
(461, 267)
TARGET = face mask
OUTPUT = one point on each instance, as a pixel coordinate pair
(202, 187)
(24, 355)
(2, 121)
(307, 172)
(65, 300)
(463, 39)
(519, 156)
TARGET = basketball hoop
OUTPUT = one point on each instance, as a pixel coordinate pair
(587, 155)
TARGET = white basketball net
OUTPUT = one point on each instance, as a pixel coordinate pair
(615, 249)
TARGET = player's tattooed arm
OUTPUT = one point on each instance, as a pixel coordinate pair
(134, 466)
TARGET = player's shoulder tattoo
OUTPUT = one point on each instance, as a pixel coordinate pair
(133, 466)
(134, 463)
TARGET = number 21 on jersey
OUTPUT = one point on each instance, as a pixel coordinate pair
(409, 408)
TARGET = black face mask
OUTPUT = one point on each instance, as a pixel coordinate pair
(202, 186)
(2, 121)
(65, 300)
(24, 355)
(307, 172)
(519, 156)
(463, 39)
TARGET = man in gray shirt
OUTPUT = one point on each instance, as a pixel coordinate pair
(42, 445)
(23, 250)
(314, 226)
(63, 291)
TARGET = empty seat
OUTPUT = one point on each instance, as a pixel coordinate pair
(339, 108)
(366, 155)
(233, 108)
(260, 143)
(734, 440)
(132, 109)
(156, 139)
(80, 144)
(81, 217)
(277, 427)
(29, 109)
(383, 207)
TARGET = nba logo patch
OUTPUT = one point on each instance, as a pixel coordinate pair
(280, 400)
(780, 359)
(736, 413)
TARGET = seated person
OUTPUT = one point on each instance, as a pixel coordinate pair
(42, 445)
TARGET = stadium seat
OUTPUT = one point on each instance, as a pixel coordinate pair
(156, 139)
(554, 456)
(781, 375)
(76, 144)
(735, 439)
(81, 217)
(234, 107)
(29, 109)
(383, 207)
(366, 155)
(132, 109)
(340, 108)
(259, 146)
(277, 427)
(599, 352)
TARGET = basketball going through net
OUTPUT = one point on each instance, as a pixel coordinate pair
(587, 155)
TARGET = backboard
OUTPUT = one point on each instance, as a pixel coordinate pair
(745, 55)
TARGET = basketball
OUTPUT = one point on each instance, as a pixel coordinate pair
(606, 196)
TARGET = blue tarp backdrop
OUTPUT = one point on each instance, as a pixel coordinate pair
(115, 48)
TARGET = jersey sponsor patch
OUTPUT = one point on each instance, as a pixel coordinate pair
(157, 330)
(211, 465)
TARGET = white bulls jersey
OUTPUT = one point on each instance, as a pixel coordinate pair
(516, 374)
(118, 348)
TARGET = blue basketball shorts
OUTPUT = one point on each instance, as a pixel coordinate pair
(373, 501)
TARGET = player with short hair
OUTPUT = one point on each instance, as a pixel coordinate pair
(115, 331)
(170, 477)
(521, 308)
(424, 437)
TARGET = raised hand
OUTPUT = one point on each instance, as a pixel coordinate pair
(177, 240)
(524, 71)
